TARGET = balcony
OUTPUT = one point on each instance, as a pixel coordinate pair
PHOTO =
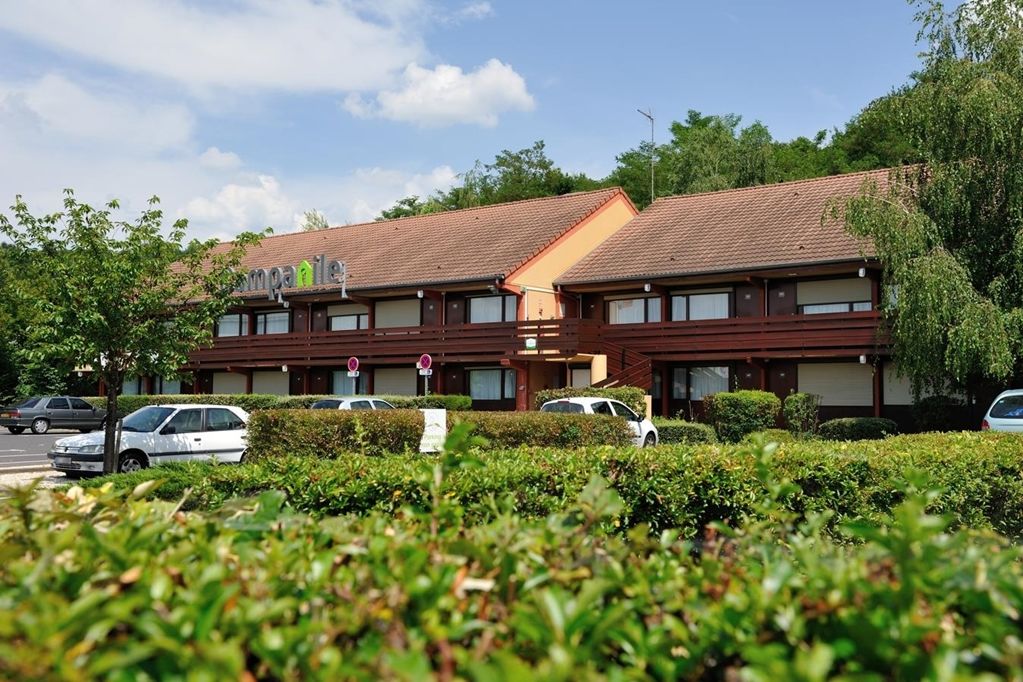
(465, 343)
(789, 336)
(740, 338)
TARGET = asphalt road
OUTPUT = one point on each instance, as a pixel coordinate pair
(27, 450)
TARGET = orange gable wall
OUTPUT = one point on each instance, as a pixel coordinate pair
(539, 273)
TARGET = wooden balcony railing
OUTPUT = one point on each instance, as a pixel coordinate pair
(790, 336)
(403, 345)
(738, 338)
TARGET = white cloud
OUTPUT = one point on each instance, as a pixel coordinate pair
(251, 206)
(475, 11)
(301, 45)
(214, 158)
(55, 110)
(445, 95)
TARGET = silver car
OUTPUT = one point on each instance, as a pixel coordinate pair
(46, 412)
(1005, 413)
(351, 404)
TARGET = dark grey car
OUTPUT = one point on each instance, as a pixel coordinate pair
(52, 412)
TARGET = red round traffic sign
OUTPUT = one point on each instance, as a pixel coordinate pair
(425, 361)
(353, 364)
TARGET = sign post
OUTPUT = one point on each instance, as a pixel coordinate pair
(425, 364)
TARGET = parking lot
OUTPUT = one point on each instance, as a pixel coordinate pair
(26, 450)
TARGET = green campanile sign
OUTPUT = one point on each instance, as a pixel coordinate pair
(305, 274)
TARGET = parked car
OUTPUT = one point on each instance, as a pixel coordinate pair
(351, 404)
(1005, 413)
(644, 432)
(157, 434)
(46, 412)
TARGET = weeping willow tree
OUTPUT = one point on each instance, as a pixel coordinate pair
(949, 231)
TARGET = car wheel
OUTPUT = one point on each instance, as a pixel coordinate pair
(132, 461)
(650, 440)
(40, 426)
(85, 430)
(16, 430)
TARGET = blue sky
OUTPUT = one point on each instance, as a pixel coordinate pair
(243, 114)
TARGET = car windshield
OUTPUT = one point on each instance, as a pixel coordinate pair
(325, 405)
(563, 406)
(146, 419)
(1009, 407)
(31, 402)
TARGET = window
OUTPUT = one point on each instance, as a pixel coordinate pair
(693, 383)
(219, 419)
(824, 308)
(602, 407)
(563, 406)
(131, 386)
(700, 306)
(634, 310)
(492, 384)
(359, 405)
(623, 411)
(234, 324)
(1009, 407)
(325, 405)
(79, 404)
(58, 404)
(185, 421)
(342, 384)
(382, 405)
(348, 322)
(273, 323)
(580, 377)
(167, 386)
(493, 309)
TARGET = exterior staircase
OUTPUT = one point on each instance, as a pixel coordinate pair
(625, 368)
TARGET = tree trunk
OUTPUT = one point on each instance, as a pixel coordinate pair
(110, 454)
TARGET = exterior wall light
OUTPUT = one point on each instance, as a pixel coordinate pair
(284, 368)
(647, 287)
(419, 293)
(863, 359)
(862, 272)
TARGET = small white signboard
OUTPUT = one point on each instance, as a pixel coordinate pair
(354, 374)
(435, 430)
(426, 372)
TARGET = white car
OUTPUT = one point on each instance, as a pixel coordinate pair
(644, 432)
(351, 404)
(1005, 413)
(158, 434)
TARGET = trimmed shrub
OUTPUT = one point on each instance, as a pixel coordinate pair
(858, 428)
(802, 413)
(630, 395)
(680, 431)
(100, 585)
(737, 413)
(251, 402)
(937, 412)
(329, 434)
(674, 486)
(771, 436)
(546, 429)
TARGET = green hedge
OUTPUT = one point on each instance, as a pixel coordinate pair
(858, 428)
(671, 431)
(250, 402)
(802, 413)
(770, 436)
(327, 434)
(96, 586)
(737, 413)
(683, 487)
(546, 429)
(630, 395)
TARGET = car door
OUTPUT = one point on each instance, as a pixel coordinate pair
(224, 436)
(60, 414)
(622, 410)
(85, 415)
(180, 438)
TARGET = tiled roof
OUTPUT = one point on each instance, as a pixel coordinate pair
(455, 246)
(750, 228)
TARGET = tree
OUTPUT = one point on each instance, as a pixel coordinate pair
(314, 220)
(949, 231)
(129, 300)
